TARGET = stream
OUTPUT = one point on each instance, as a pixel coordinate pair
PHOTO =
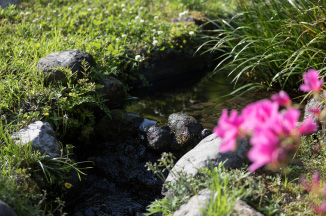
(119, 183)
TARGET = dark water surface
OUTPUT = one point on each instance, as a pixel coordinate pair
(204, 101)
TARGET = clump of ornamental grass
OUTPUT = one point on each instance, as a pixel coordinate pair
(271, 43)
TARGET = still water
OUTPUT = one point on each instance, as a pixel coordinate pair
(204, 101)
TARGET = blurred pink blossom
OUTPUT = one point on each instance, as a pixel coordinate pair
(308, 126)
(228, 130)
(314, 110)
(282, 98)
(311, 81)
(264, 150)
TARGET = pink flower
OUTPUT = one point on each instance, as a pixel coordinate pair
(320, 209)
(228, 129)
(311, 81)
(316, 179)
(289, 120)
(305, 184)
(308, 126)
(314, 110)
(265, 148)
(258, 114)
(282, 98)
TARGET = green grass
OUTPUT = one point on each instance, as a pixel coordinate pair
(114, 32)
(226, 186)
(271, 43)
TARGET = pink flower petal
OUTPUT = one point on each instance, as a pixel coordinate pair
(282, 98)
(308, 126)
(311, 81)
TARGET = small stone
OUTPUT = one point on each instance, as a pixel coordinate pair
(187, 130)
(113, 91)
(243, 209)
(6, 210)
(205, 133)
(159, 138)
(5, 3)
(42, 137)
(50, 65)
(196, 205)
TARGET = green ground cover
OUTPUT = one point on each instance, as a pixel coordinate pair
(115, 33)
(269, 43)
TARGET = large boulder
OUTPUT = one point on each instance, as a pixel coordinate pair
(187, 130)
(5, 3)
(207, 154)
(6, 210)
(52, 64)
(42, 137)
(159, 138)
(113, 91)
(196, 205)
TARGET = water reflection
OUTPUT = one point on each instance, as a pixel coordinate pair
(204, 101)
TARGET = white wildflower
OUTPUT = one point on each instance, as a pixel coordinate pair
(191, 33)
(156, 17)
(115, 4)
(123, 5)
(141, 8)
(159, 32)
(123, 35)
(69, 9)
(155, 42)
(54, 11)
(183, 13)
(137, 17)
(142, 21)
(138, 58)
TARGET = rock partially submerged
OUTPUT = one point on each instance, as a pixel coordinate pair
(52, 65)
(113, 91)
(42, 137)
(187, 130)
(159, 138)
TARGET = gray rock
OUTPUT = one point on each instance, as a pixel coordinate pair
(147, 123)
(42, 137)
(314, 103)
(196, 205)
(205, 133)
(113, 91)
(50, 65)
(6, 210)
(243, 209)
(207, 154)
(5, 3)
(187, 130)
(159, 138)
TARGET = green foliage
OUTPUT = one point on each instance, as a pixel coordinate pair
(226, 186)
(271, 43)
